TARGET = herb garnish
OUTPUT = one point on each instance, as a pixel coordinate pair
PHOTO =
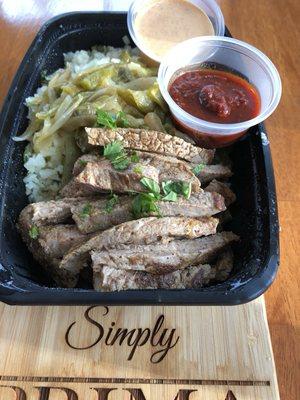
(116, 154)
(86, 210)
(107, 120)
(197, 169)
(111, 202)
(134, 157)
(119, 158)
(171, 196)
(177, 187)
(151, 185)
(144, 204)
(34, 232)
(121, 120)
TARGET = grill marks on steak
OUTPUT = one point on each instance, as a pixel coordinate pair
(162, 258)
(139, 232)
(202, 204)
(146, 140)
(109, 279)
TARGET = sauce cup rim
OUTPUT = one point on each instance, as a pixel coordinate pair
(139, 43)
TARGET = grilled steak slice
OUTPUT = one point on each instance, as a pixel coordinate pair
(141, 231)
(82, 161)
(202, 204)
(223, 266)
(170, 168)
(223, 190)
(162, 258)
(48, 212)
(97, 173)
(55, 241)
(113, 279)
(145, 140)
(99, 218)
(210, 172)
(77, 189)
(50, 246)
(101, 177)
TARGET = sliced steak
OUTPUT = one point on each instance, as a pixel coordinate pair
(223, 190)
(222, 268)
(141, 231)
(102, 177)
(82, 161)
(97, 174)
(48, 212)
(210, 172)
(162, 258)
(55, 241)
(77, 189)
(202, 204)
(50, 246)
(113, 279)
(146, 140)
(170, 168)
(99, 218)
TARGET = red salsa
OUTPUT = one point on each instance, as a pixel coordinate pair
(215, 96)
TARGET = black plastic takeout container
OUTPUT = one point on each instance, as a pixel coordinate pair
(255, 212)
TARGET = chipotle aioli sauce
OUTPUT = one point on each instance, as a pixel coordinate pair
(164, 23)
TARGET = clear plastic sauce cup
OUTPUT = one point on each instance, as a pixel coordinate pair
(209, 7)
(235, 56)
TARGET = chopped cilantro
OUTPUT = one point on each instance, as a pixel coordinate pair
(113, 149)
(86, 210)
(111, 202)
(151, 185)
(197, 169)
(171, 196)
(134, 157)
(121, 120)
(107, 120)
(144, 204)
(178, 187)
(83, 163)
(115, 152)
(121, 162)
(186, 189)
(104, 119)
(34, 232)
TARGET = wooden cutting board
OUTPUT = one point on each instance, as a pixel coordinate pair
(136, 353)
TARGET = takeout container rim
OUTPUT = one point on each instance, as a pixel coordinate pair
(223, 128)
(212, 4)
(20, 289)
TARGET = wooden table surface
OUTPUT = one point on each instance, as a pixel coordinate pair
(272, 26)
